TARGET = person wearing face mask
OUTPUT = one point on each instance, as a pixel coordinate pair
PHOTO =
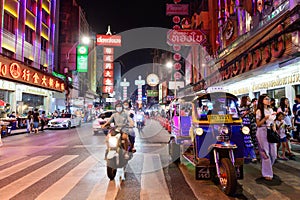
(121, 119)
(247, 118)
(130, 131)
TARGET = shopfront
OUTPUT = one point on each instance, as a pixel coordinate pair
(24, 88)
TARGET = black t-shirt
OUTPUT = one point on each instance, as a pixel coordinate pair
(36, 117)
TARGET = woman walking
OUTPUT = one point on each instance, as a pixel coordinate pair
(36, 120)
(29, 122)
(265, 117)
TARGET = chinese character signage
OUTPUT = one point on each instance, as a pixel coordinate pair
(18, 72)
(82, 52)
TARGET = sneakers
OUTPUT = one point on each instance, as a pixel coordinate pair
(254, 160)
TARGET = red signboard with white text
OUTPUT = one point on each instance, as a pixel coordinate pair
(185, 37)
(108, 40)
(15, 71)
(177, 9)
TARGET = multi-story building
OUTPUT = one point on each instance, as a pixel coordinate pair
(73, 26)
(254, 46)
(27, 43)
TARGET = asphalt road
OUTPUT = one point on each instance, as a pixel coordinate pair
(69, 164)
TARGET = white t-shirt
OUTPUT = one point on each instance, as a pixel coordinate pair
(268, 111)
(281, 129)
(287, 118)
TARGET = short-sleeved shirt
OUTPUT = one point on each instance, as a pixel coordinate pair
(36, 117)
(281, 129)
(287, 118)
(268, 111)
(297, 116)
(120, 119)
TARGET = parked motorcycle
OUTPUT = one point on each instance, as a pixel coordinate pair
(115, 152)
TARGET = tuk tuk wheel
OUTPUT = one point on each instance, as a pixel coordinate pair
(228, 180)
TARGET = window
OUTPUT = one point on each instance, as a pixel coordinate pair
(9, 22)
(28, 35)
(8, 53)
(27, 61)
(43, 68)
(44, 44)
(45, 17)
(31, 5)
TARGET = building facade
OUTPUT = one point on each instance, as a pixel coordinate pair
(73, 26)
(27, 42)
(253, 47)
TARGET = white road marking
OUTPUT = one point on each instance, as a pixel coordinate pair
(20, 166)
(59, 189)
(153, 183)
(15, 187)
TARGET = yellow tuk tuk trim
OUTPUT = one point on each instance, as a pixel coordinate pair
(217, 119)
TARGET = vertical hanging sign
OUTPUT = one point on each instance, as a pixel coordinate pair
(82, 58)
(124, 84)
(108, 41)
(140, 84)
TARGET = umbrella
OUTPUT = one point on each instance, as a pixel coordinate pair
(2, 103)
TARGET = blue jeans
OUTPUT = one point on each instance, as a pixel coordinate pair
(249, 150)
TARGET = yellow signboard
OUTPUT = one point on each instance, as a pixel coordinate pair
(216, 119)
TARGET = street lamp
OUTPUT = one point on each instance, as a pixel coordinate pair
(84, 40)
(169, 65)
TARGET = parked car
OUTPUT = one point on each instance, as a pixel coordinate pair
(65, 121)
(102, 119)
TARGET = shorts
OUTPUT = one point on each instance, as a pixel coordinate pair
(35, 124)
(283, 139)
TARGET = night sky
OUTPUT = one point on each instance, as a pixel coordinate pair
(125, 16)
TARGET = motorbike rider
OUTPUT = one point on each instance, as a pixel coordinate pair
(121, 119)
(140, 116)
(130, 131)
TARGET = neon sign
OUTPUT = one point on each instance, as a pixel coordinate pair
(21, 73)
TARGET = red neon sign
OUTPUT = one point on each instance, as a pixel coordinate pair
(24, 74)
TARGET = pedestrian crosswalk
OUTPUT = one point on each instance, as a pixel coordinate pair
(17, 178)
(44, 177)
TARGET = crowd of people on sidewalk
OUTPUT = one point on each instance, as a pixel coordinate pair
(261, 115)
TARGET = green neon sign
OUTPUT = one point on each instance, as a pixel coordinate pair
(82, 58)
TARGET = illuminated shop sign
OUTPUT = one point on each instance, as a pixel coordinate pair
(82, 58)
(267, 53)
(108, 40)
(21, 73)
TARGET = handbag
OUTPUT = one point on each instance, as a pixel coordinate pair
(272, 136)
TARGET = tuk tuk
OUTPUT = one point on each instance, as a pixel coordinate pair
(215, 143)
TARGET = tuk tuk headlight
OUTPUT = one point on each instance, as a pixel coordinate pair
(246, 130)
(224, 130)
(198, 131)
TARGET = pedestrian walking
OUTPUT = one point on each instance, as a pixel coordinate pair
(245, 114)
(43, 120)
(281, 128)
(29, 122)
(296, 112)
(265, 117)
(36, 120)
(284, 106)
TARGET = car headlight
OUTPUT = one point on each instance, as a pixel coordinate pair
(246, 130)
(198, 131)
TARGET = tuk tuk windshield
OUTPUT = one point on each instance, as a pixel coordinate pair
(216, 105)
